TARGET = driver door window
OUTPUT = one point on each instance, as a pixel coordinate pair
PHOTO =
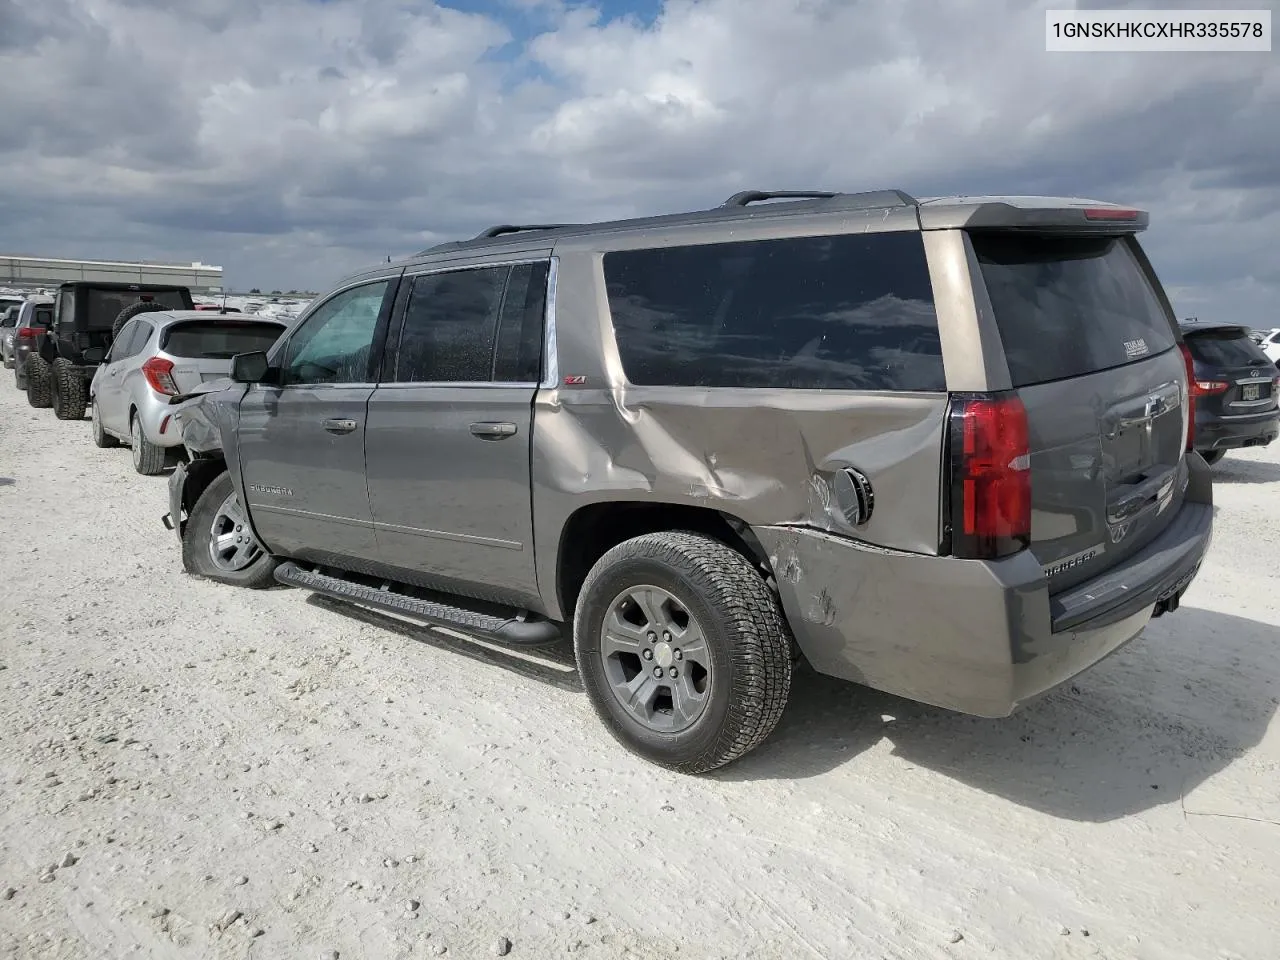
(333, 345)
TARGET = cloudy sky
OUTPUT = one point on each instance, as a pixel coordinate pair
(292, 141)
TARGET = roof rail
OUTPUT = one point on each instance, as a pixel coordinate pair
(872, 198)
(505, 228)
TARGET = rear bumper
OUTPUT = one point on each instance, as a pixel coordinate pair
(158, 423)
(1231, 433)
(976, 637)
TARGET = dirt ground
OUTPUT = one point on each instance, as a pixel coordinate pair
(189, 770)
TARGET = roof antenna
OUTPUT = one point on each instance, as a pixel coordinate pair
(223, 311)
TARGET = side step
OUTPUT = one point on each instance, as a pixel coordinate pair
(513, 630)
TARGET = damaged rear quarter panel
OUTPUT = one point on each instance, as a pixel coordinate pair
(763, 456)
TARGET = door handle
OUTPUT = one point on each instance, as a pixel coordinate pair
(493, 431)
(340, 426)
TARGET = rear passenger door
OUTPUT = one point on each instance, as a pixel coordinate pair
(449, 428)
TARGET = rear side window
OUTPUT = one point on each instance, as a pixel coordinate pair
(450, 327)
(43, 317)
(851, 312)
(103, 306)
(1069, 306)
(219, 339)
(1226, 348)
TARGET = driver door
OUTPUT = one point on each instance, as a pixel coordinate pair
(301, 439)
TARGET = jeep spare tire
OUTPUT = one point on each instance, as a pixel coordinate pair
(131, 311)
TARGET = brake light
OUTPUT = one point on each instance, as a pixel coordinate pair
(1110, 213)
(159, 374)
(990, 476)
(1205, 388)
(1191, 395)
(30, 333)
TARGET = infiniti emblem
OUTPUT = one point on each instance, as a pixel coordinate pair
(1254, 373)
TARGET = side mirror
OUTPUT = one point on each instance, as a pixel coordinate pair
(249, 367)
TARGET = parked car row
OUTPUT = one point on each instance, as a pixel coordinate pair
(944, 448)
(120, 352)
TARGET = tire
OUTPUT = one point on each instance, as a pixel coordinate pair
(1212, 456)
(39, 382)
(70, 391)
(197, 538)
(100, 436)
(148, 459)
(131, 311)
(746, 648)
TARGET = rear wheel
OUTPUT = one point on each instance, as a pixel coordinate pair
(1212, 456)
(218, 543)
(683, 650)
(100, 436)
(39, 381)
(148, 459)
(69, 391)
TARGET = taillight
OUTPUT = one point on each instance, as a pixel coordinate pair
(30, 333)
(990, 476)
(159, 374)
(1207, 388)
(1191, 395)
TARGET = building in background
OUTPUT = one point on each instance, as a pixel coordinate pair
(24, 272)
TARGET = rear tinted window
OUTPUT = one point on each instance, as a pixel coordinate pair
(850, 312)
(1067, 306)
(1228, 348)
(43, 317)
(105, 305)
(219, 340)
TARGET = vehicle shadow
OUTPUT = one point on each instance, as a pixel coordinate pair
(1147, 725)
(552, 664)
(1228, 470)
(7, 482)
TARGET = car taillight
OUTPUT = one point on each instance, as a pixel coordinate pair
(1206, 388)
(990, 476)
(159, 374)
(30, 333)
(1191, 395)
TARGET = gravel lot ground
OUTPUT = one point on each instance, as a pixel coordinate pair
(190, 770)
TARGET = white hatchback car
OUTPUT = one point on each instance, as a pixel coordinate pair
(1270, 345)
(160, 355)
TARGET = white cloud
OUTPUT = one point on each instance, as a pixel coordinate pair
(294, 140)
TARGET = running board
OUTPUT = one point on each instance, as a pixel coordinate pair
(513, 630)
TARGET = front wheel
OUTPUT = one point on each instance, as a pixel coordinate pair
(218, 543)
(683, 650)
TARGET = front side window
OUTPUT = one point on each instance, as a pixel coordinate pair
(333, 344)
(846, 312)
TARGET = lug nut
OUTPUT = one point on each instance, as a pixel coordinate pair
(657, 673)
(648, 654)
(666, 635)
(677, 654)
(673, 673)
(653, 637)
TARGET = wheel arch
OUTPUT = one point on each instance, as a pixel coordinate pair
(594, 529)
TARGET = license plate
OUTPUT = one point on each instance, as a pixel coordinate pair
(1251, 391)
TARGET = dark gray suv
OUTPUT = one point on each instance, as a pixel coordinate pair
(939, 447)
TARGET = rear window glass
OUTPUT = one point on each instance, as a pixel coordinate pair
(105, 305)
(219, 340)
(1227, 348)
(43, 317)
(852, 312)
(1068, 306)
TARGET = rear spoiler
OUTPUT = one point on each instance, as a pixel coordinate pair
(1086, 218)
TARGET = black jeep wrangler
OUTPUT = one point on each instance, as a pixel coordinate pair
(59, 370)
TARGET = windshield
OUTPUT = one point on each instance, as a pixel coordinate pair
(1069, 306)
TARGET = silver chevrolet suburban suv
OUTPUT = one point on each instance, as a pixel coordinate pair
(938, 447)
